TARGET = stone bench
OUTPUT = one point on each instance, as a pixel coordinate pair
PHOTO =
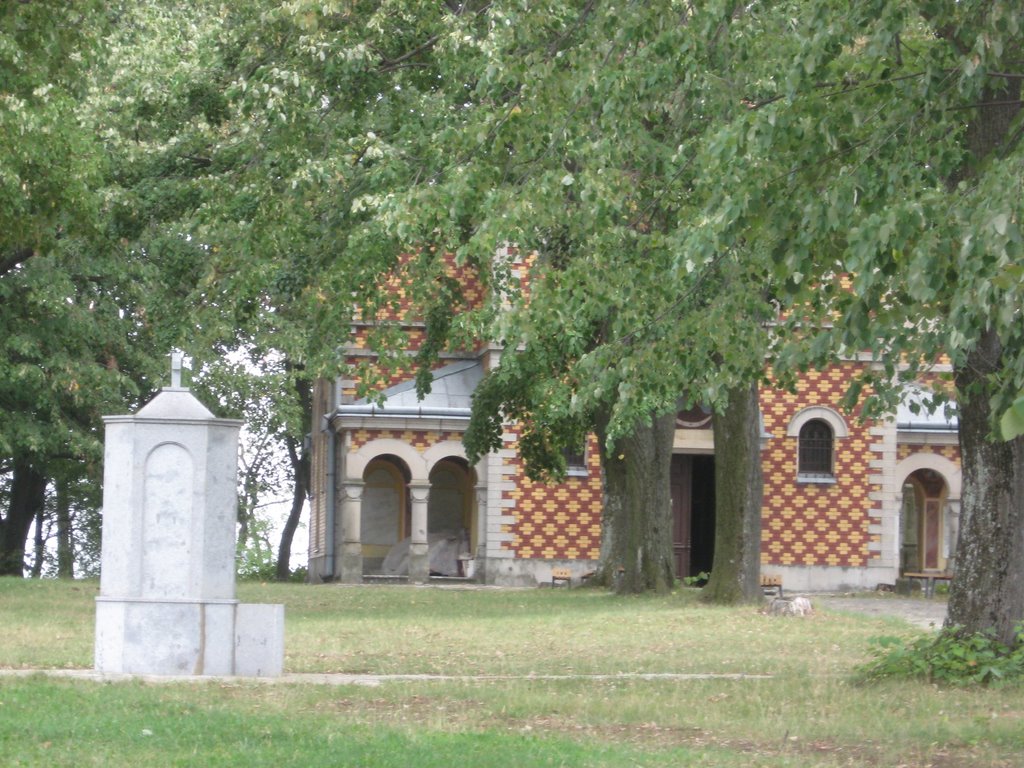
(561, 575)
(772, 584)
(928, 580)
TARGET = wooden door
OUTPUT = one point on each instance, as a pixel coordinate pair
(682, 509)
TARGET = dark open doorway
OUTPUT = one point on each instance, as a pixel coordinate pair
(693, 513)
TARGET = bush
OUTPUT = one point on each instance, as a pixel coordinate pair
(951, 657)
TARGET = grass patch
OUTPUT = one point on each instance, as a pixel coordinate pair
(807, 713)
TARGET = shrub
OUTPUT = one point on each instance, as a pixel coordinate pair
(951, 657)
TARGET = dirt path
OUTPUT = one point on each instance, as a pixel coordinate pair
(928, 613)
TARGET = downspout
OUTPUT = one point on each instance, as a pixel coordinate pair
(330, 493)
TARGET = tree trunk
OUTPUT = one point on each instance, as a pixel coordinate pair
(735, 574)
(65, 550)
(298, 455)
(28, 494)
(638, 508)
(613, 476)
(39, 545)
(299, 458)
(987, 592)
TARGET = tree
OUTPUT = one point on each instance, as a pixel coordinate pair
(68, 301)
(573, 139)
(249, 148)
(882, 142)
(256, 387)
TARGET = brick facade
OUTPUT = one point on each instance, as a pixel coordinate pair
(556, 521)
(813, 523)
(823, 530)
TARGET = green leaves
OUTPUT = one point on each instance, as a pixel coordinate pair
(1012, 422)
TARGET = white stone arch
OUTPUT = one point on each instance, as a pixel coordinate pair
(828, 415)
(357, 461)
(475, 489)
(949, 470)
(952, 476)
(446, 449)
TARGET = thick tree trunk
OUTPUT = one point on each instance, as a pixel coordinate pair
(638, 509)
(613, 474)
(28, 494)
(987, 592)
(735, 574)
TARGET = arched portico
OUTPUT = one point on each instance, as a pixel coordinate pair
(397, 502)
(929, 512)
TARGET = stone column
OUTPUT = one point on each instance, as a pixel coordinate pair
(952, 532)
(419, 561)
(480, 566)
(351, 565)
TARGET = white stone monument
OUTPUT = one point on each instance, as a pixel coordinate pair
(167, 587)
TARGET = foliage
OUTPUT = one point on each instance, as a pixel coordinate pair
(255, 560)
(698, 580)
(1012, 422)
(878, 162)
(71, 347)
(48, 160)
(950, 657)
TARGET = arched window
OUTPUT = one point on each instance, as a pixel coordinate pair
(816, 446)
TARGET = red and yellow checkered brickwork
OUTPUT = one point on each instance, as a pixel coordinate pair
(402, 306)
(951, 452)
(810, 523)
(421, 440)
(403, 309)
(556, 521)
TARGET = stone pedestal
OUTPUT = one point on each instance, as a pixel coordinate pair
(167, 588)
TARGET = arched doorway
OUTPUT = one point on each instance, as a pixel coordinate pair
(384, 517)
(693, 514)
(451, 524)
(925, 543)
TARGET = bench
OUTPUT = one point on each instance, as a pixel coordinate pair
(771, 584)
(561, 574)
(928, 580)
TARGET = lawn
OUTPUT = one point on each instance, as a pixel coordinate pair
(530, 678)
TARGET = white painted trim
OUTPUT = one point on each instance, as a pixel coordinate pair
(443, 450)
(948, 469)
(357, 461)
(828, 415)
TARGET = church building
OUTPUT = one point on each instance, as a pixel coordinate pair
(847, 503)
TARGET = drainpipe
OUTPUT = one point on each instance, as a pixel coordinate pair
(330, 493)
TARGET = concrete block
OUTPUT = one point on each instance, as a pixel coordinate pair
(259, 640)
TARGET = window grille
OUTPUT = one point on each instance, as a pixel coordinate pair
(816, 447)
(575, 462)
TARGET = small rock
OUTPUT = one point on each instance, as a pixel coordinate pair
(790, 606)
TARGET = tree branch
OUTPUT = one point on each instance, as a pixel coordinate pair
(15, 258)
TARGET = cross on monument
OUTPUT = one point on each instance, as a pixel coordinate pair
(176, 358)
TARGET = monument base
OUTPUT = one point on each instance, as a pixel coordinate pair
(148, 636)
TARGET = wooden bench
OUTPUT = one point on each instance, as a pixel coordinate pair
(771, 584)
(561, 574)
(928, 579)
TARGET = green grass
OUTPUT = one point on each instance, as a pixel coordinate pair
(807, 713)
